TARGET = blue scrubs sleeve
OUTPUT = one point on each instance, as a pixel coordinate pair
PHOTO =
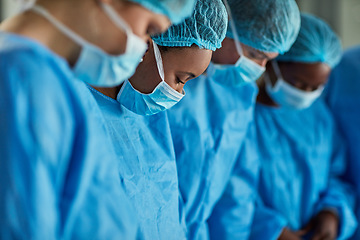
(339, 196)
(267, 223)
(32, 130)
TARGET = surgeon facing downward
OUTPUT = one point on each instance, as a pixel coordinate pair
(137, 122)
(300, 191)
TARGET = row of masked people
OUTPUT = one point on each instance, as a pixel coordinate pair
(101, 139)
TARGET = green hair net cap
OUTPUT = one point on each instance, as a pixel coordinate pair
(266, 25)
(316, 42)
(175, 10)
(206, 28)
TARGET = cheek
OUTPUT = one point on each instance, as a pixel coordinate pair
(139, 24)
(140, 30)
(171, 80)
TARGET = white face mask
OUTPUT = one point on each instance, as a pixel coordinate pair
(163, 97)
(287, 95)
(95, 66)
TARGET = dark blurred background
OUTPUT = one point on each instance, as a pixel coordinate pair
(342, 15)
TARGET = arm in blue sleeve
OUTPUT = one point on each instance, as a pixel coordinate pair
(267, 223)
(339, 195)
(232, 216)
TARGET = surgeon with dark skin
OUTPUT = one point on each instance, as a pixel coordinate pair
(300, 192)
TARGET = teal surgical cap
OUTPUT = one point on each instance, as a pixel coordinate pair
(206, 27)
(175, 10)
(266, 25)
(316, 43)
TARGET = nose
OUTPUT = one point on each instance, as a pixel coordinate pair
(180, 89)
(263, 62)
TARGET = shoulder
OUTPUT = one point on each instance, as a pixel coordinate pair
(25, 58)
(35, 82)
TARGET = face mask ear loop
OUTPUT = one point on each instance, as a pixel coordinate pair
(276, 69)
(159, 61)
(43, 12)
(115, 18)
(233, 29)
(118, 21)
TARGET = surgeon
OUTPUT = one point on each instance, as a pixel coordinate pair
(343, 98)
(210, 124)
(136, 118)
(58, 175)
(301, 152)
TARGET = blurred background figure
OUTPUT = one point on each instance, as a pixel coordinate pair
(302, 154)
(343, 97)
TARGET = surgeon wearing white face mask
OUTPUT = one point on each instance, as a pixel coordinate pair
(237, 61)
(293, 85)
(302, 193)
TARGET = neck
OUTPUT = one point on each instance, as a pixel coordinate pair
(36, 27)
(263, 97)
(110, 92)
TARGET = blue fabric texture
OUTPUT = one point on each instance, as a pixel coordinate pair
(343, 98)
(175, 10)
(268, 223)
(208, 127)
(206, 27)
(147, 167)
(316, 42)
(56, 177)
(300, 175)
(233, 213)
(266, 25)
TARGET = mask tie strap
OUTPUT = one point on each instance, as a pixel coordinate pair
(159, 61)
(71, 34)
(233, 29)
(276, 68)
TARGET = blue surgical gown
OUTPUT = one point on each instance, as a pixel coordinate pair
(232, 216)
(146, 165)
(208, 127)
(301, 157)
(343, 97)
(57, 179)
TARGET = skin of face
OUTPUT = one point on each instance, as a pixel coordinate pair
(142, 21)
(181, 64)
(227, 54)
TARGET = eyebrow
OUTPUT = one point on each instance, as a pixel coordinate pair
(264, 55)
(261, 53)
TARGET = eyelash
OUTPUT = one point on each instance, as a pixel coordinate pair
(179, 81)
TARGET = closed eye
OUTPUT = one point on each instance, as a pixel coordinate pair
(179, 81)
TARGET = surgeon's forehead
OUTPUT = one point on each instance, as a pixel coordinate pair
(309, 73)
(265, 55)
